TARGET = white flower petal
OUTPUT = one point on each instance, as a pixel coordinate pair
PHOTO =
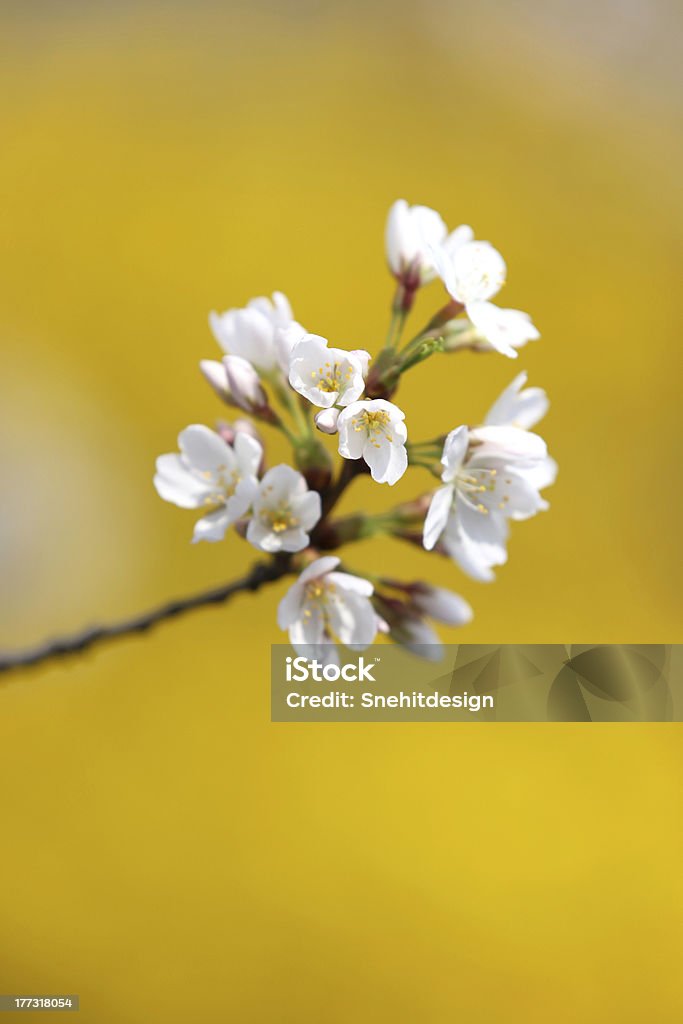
(351, 439)
(261, 536)
(308, 630)
(507, 443)
(307, 509)
(291, 540)
(478, 272)
(204, 449)
(437, 516)
(454, 451)
(460, 236)
(239, 503)
(289, 608)
(176, 483)
(279, 482)
(346, 581)
(518, 406)
(352, 619)
(211, 527)
(476, 541)
(505, 330)
(544, 474)
(248, 453)
(387, 461)
(321, 567)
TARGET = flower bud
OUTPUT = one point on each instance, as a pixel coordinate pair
(216, 376)
(326, 420)
(440, 604)
(418, 637)
(244, 384)
(407, 628)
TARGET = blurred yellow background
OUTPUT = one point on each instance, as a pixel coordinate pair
(166, 851)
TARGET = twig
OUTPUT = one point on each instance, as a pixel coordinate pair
(60, 647)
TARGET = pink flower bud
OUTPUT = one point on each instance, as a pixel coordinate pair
(244, 384)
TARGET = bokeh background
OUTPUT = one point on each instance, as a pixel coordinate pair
(167, 852)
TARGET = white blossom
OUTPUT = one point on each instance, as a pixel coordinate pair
(412, 233)
(284, 510)
(522, 407)
(374, 431)
(212, 475)
(491, 474)
(327, 376)
(473, 274)
(262, 332)
(324, 607)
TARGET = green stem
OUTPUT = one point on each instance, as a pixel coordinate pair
(291, 437)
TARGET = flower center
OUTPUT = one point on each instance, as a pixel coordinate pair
(318, 592)
(375, 424)
(474, 483)
(225, 483)
(332, 377)
(279, 518)
(482, 488)
(321, 595)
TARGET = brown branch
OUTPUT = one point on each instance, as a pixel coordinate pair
(60, 647)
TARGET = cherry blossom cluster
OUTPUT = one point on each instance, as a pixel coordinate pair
(286, 378)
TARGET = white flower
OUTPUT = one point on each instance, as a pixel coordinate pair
(327, 376)
(262, 332)
(284, 511)
(522, 407)
(473, 274)
(412, 233)
(491, 474)
(210, 474)
(375, 431)
(325, 606)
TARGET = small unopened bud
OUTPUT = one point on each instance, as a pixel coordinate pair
(326, 420)
(244, 384)
(216, 375)
(408, 628)
(419, 638)
(440, 604)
